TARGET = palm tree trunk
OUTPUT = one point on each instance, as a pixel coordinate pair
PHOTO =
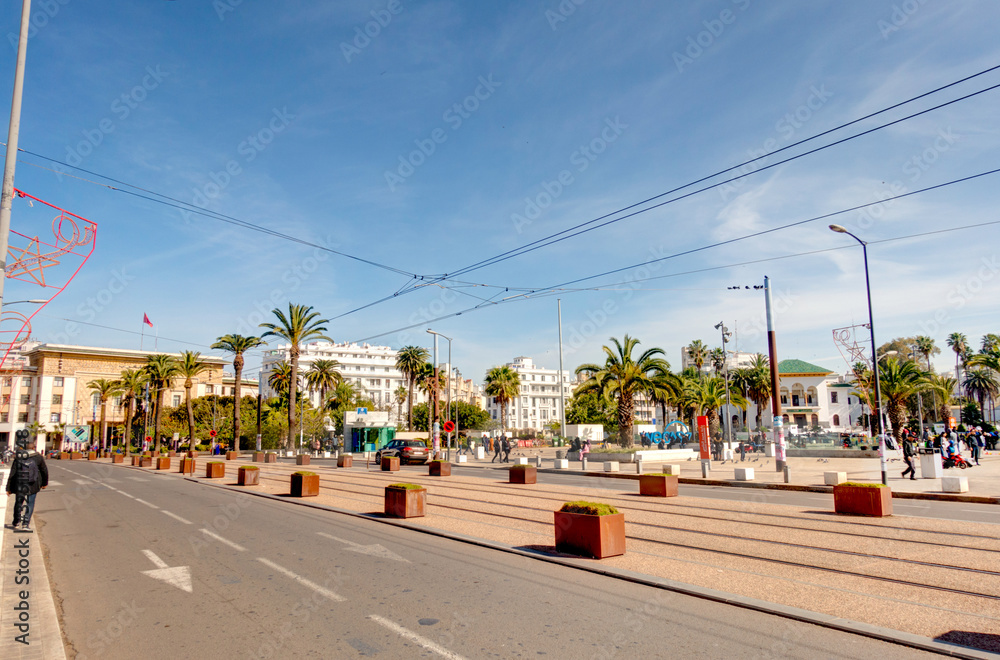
(156, 418)
(127, 435)
(409, 406)
(237, 393)
(104, 425)
(190, 412)
(625, 417)
(293, 387)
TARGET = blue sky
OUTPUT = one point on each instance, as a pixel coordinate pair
(452, 132)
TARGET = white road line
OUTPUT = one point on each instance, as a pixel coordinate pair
(323, 591)
(176, 517)
(414, 637)
(979, 511)
(138, 479)
(55, 483)
(151, 506)
(126, 494)
(153, 558)
(234, 546)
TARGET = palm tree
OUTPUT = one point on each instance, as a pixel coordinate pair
(279, 379)
(698, 353)
(188, 367)
(323, 376)
(504, 385)
(990, 343)
(981, 383)
(409, 361)
(399, 394)
(623, 377)
(759, 390)
(160, 370)
(299, 326)
(105, 389)
(740, 380)
(131, 382)
(237, 345)
(924, 346)
(708, 395)
(900, 380)
(667, 389)
(345, 393)
(959, 343)
(717, 357)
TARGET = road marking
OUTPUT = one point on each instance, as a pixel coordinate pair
(176, 517)
(374, 550)
(126, 494)
(151, 506)
(234, 546)
(414, 637)
(979, 511)
(178, 576)
(323, 591)
(138, 479)
(55, 483)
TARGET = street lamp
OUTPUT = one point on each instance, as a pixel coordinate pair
(437, 429)
(871, 330)
(725, 371)
(33, 302)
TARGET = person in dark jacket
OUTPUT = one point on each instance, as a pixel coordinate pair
(908, 453)
(25, 482)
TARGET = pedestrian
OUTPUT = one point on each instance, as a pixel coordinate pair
(496, 449)
(585, 449)
(743, 452)
(506, 449)
(977, 445)
(908, 458)
(28, 476)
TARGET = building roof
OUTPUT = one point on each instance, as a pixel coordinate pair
(112, 352)
(801, 367)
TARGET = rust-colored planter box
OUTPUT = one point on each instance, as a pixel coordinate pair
(75, 456)
(405, 502)
(390, 464)
(439, 469)
(258, 456)
(249, 476)
(345, 461)
(590, 536)
(192, 454)
(215, 470)
(862, 500)
(64, 456)
(171, 454)
(305, 485)
(117, 458)
(523, 474)
(658, 485)
(302, 459)
(147, 453)
(232, 455)
(91, 455)
(146, 461)
(270, 457)
(163, 463)
(135, 459)
(187, 466)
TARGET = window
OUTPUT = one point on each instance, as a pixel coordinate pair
(95, 399)
(795, 399)
(22, 417)
(784, 400)
(836, 420)
(54, 418)
(176, 400)
(26, 381)
(117, 401)
(833, 399)
(210, 389)
(8, 381)
(6, 399)
(57, 399)
(57, 381)
(25, 399)
(4, 418)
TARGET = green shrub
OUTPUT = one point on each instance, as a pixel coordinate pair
(589, 508)
(305, 474)
(249, 467)
(519, 466)
(860, 484)
(202, 447)
(216, 463)
(405, 486)
(438, 461)
(657, 474)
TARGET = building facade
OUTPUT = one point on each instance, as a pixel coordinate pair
(539, 401)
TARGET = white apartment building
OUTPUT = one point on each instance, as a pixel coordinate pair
(538, 403)
(373, 368)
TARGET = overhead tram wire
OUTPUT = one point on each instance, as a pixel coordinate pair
(559, 237)
(541, 292)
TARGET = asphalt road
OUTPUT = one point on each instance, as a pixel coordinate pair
(149, 566)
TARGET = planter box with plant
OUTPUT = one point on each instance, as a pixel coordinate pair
(163, 463)
(405, 500)
(302, 459)
(390, 464)
(658, 485)
(145, 461)
(171, 453)
(523, 474)
(117, 458)
(439, 469)
(270, 457)
(590, 529)
(249, 475)
(64, 456)
(259, 456)
(345, 460)
(215, 470)
(862, 499)
(75, 456)
(232, 455)
(305, 484)
(91, 455)
(187, 466)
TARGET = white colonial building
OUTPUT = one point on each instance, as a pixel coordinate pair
(538, 403)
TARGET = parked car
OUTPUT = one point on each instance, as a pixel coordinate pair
(408, 451)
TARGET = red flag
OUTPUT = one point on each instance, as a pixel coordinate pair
(145, 319)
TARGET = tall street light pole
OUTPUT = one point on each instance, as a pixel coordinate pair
(871, 329)
(725, 371)
(437, 425)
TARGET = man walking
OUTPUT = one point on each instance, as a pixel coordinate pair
(908, 457)
(28, 476)
(497, 446)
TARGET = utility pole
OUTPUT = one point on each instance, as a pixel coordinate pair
(772, 352)
(258, 413)
(562, 388)
(13, 131)
(725, 371)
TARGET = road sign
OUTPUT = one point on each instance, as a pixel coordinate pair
(703, 444)
(362, 411)
(449, 426)
(212, 433)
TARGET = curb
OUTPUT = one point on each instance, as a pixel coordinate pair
(765, 607)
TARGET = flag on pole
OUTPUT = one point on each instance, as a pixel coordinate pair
(145, 319)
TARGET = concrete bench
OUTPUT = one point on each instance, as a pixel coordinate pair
(834, 478)
(955, 484)
(611, 466)
(522, 460)
(744, 474)
(562, 464)
(674, 470)
(461, 458)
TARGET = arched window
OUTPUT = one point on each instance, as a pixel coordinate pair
(784, 419)
(815, 420)
(836, 420)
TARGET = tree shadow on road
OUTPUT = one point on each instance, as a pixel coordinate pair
(976, 640)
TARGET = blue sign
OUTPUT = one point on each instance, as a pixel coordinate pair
(362, 411)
